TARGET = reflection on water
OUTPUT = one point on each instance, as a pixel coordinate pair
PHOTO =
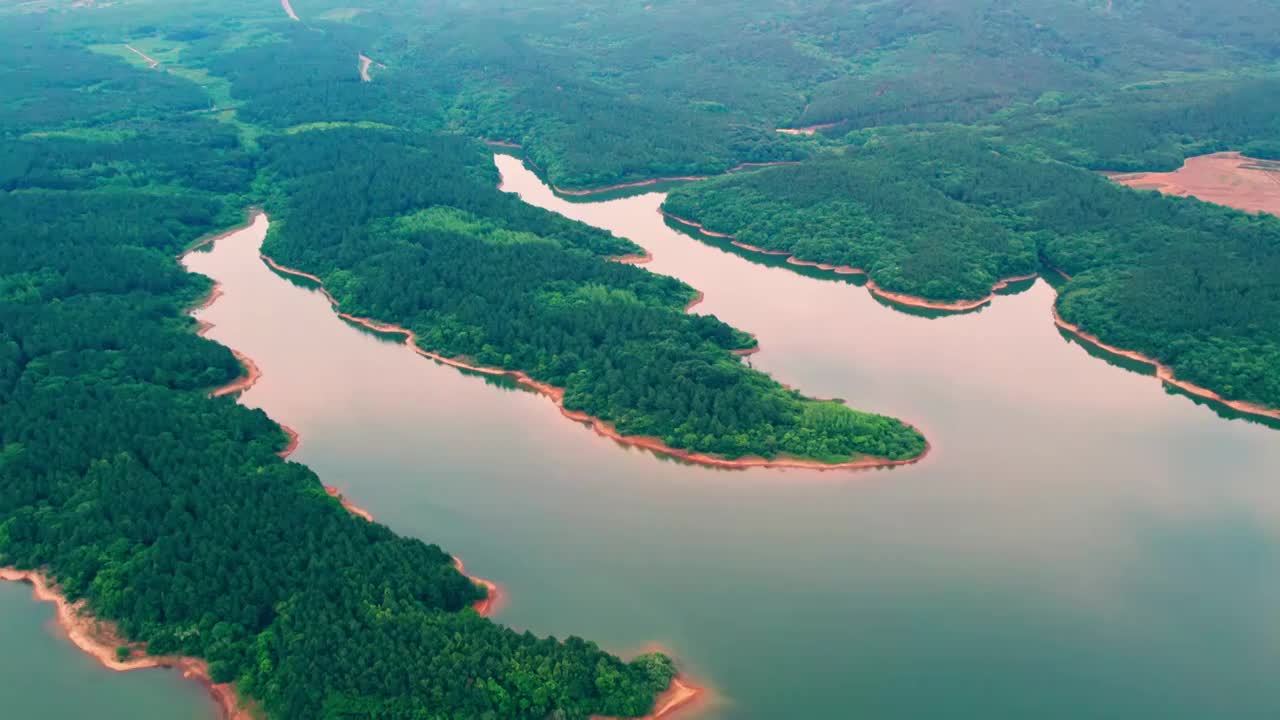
(1081, 543)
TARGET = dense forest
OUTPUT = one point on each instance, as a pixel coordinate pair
(944, 214)
(889, 207)
(412, 229)
(128, 130)
(170, 512)
(602, 92)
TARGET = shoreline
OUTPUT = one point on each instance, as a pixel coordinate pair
(252, 373)
(1164, 373)
(495, 598)
(897, 298)
(492, 602)
(601, 427)
(99, 639)
(679, 696)
(641, 258)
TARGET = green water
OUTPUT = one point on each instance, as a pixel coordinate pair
(1080, 543)
(42, 675)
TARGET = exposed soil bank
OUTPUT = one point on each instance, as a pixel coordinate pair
(1226, 178)
(897, 298)
(641, 258)
(808, 129)
(681, 695)
(347, 505)
(365, 63)
(601, 427)
(495, 598)
(1165, 373)
(101, 639)
(294, 441)
(251, 373)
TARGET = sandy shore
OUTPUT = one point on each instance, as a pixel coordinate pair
(601, 427)
(913, 301)
(1165, 373)
(1227, 178)
(289, 10)
(101, 639)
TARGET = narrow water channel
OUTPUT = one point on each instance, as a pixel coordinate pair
(1081, 543)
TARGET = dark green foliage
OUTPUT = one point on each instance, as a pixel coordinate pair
(1156, 128)
(943, 215)
(891, 208)
(407, 229)
(170, 513)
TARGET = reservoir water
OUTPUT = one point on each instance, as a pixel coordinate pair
(1080, 542)
(42, 675)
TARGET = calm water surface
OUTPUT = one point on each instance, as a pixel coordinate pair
(42, 675)
(1080, 543)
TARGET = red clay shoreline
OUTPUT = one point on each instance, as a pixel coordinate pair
(601, 427)
(1163, 372)
(913, 301)
(681, 695)
(100, 639)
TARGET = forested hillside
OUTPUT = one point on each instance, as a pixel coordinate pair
(130, 129)
(603, 92)
(943, 215)
(170, 512)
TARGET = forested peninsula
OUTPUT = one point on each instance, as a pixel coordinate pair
(476, 274)
(946, 215)
(169, 513)
(129, 131)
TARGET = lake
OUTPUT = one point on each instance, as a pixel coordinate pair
(1080, 542)
(42, 675)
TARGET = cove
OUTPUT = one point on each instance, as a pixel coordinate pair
(1079, 543)
(42, 675)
